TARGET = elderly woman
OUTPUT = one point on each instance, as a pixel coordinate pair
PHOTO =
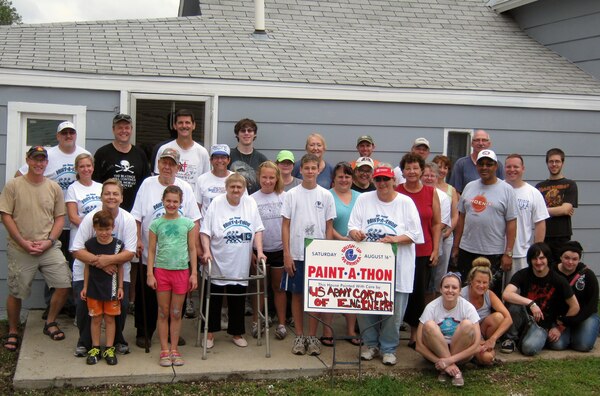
(386, 216)
(495, 320)
(230, 229)
(83, 196)
(449, 332)
(578, 332)
(428, 205)
(315, 144)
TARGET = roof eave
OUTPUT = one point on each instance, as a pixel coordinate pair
(500, 6)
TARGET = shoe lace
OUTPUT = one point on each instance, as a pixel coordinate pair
(94, 352)
(109, 352)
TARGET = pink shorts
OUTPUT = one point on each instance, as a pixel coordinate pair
(177, 281)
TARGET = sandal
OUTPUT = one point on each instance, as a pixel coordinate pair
(354, 341)
(56, 335)
(9, 345)
(326, 341)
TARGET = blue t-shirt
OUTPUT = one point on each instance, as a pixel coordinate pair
(340, 223)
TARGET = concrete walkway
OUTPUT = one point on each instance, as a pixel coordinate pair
(45, 363)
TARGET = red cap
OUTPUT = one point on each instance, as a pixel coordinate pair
(383, 171)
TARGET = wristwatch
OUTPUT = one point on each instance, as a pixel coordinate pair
(53, 241)
(509, 254)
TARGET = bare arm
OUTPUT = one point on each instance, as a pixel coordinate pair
(73, 213)
(511, 234)
(436, 229)
(205, 240)
(566, 209)
(539, 231)
(503, 327)
(150, 280)
(193, 242)
(458, 231)
(329, 229)
(288, 261)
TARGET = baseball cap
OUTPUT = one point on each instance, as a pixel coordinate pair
(219, 149)
(285, 155)
(421, 142)
(65, 125)
(385, 171)
(365, 161)
(171, 153)
(121, 117)
(487, 154)
(36, 151)
(364, 138)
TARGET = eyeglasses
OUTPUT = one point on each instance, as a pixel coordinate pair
(247, 130)
(68, 132)
(379, 179)
(368, 170)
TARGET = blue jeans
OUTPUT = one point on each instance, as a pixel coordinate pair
(385, 335)
(531, 337)
(580, 337)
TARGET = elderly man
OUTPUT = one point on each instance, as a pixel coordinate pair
(124, 228)
(465, 169)
(487, 221)
(362, 178)
(147, 207)
(33, 209)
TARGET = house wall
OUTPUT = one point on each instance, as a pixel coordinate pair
(285, 123)
(570, 28)
(101, 106)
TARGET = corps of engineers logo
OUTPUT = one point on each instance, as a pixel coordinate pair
(351, 254)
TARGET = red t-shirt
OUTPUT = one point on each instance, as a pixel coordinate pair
(424, 202)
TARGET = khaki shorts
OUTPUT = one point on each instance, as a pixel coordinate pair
(22, 268)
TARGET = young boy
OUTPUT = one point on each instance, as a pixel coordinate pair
(103, 291)
(308, 212)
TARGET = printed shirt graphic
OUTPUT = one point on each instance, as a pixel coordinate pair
(231, 230)
(557, 192)
(208, 186)
(87, 199)
(448, 320)
(193, 161)
(172, 242)
(487, 208)
(531, 209)
(269, 208)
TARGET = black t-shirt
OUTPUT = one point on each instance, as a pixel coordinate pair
(585, 287)
(549, 293)
(557, 192)
(246, 165)
(361, 190)
(99, 282)
(129, 168)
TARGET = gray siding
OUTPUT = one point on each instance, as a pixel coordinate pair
(570, 28)
(101, 107)
(394, 126)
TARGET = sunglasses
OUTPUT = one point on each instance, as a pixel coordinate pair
(455, 274)
(67, 132)
(382, 178)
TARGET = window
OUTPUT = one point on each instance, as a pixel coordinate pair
(457, 144)
(154, 116)
(33, 124)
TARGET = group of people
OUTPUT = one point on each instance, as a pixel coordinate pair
(504, 240)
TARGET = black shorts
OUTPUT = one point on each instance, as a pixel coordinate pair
(275, 259)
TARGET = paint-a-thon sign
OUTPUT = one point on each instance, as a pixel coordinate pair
(349, 277)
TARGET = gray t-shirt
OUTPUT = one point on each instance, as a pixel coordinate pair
(487, 208)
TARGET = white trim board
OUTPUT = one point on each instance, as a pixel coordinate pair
(237, 88)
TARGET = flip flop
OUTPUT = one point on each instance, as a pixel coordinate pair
(326, 341)
(12, 346)
(354, 341)
(56, 335)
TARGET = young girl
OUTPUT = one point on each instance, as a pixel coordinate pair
(270, 200)
(171, 246)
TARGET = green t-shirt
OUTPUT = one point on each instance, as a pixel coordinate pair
(172, 242)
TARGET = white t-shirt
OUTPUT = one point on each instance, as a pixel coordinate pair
(399, 176)
(445, 207)
(61, 169)
(269, 208)
(87, 199)
(231, 230)
(207, 187)
(449, 320)
(531, 208)
(308, 211)
(148, 206)
(124, 229)
(399, 217)
(193, 161)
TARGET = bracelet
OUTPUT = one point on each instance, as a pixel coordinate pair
(531, 304)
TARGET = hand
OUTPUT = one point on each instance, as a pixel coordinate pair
(151, 281)
(487, 345)
(193, 284)
(32, 247)
(83, 295)
(388, 239)
(554, 334)
(206, 256)
(103, 260)
(289, 265)
(120, 293)
(447, 232)
(139, 248)
(537, 313)
(454, 254)
(506, 263)
(357, 235)
(453, 370)
(110, 269)
(443, 364)
(260, 257)
(434, 258)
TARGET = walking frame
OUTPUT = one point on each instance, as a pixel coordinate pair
(205, 294)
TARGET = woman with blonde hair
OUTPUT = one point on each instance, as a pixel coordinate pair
(315, 144)
(495, 318)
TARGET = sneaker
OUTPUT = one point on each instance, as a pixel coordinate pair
(507, 346)
(369, 353)
(81, 351)
(241, 342)
(313, 346)
(165, 359)
(458, 380)
(122, 349)
(224, 320)
(443, 377)
(389, 359)
(299, 347)
(93, 356)
(254, 330)
(176, 358)
(109, 356)
(280, 332)
(190, 312)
